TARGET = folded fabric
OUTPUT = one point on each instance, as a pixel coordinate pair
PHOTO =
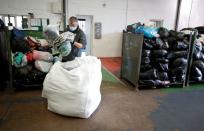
(43, 65)
(41, 55)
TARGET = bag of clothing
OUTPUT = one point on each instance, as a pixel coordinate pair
(74, 92)
(200, 65)
(145, 67)
(147, 45)
(65, 48)
(145, 60)
(17, 34)
(32, 42)
(43, 65)
(159, 53)
(162, 67)
(163, 76)
(177, 35)
(180, 62)
(41, 55)
(178, 54)
(19, 45)
(180, 45)
(148, 75)
(160, 60)
(163, 33)
(146, 53)
(153, 83)
(196, 72)
(149, 32)
(19, 59)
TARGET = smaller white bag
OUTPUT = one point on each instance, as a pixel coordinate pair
(43, 65)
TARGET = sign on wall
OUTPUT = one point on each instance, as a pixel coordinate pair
(98, 30)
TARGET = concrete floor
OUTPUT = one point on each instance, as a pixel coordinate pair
(121, 109)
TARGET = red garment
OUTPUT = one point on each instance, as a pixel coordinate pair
(29, 57)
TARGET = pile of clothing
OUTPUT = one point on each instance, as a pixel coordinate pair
(32, 58)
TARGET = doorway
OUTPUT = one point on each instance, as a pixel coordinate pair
(86, 24)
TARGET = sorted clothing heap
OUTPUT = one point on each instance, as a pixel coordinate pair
(33, 58)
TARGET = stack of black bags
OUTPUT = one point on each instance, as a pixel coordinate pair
(154, 64)
(197, 69)
(178, 53)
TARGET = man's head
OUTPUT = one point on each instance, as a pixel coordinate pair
(73, 23)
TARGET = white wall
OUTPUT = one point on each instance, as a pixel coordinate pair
(40, 8)
(191, 14)
(113, 18)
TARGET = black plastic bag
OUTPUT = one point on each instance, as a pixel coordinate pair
(162, 67)
(180, 62)
(145, 67)
(159, 53)
(196, 72)
(23, 71)
(196, 78)
(19, 45)
(148, 44)
(198, 45)
(197, 55)
(148, 75)
(160, 60)
(163, 76)
(146, 53)
(145, 60)
(171, 41)
(163, 32)
(200, 65)
(153, 83)
(177, 71)
(34, 77)
(180, 45)
(178, 54)
(161, 44)
(178, 35)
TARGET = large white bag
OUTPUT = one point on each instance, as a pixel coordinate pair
(73, 88)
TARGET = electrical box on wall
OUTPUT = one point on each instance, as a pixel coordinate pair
(98, 30)
(57, 7)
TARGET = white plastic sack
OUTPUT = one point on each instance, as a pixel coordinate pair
(43, 65)
(73, 88)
